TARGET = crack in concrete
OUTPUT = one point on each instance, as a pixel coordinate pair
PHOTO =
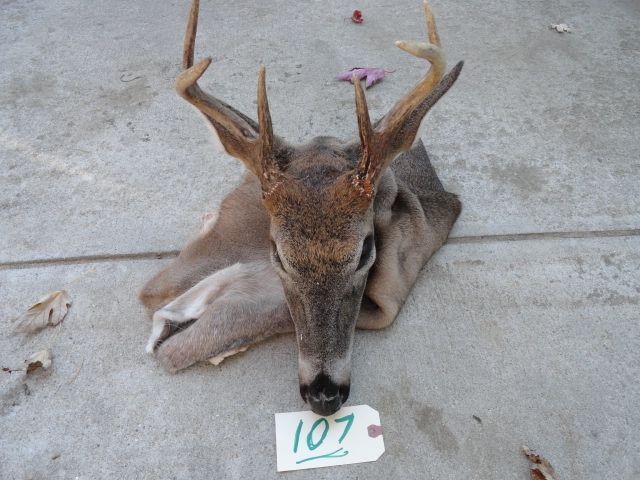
(159, 255)
(518, 237)
(119, 257)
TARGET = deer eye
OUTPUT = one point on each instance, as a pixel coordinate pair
(367, 248)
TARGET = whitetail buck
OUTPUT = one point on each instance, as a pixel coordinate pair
(318, 239)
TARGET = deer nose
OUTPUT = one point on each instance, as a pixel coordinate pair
(324, 395)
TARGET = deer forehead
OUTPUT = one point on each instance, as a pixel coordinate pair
(312, 218)
(318, 239)
(313, 258)
(315, 198)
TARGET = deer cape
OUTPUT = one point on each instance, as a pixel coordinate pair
(413, 217)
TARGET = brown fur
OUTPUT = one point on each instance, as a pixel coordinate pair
(412, 218)
(317, 239)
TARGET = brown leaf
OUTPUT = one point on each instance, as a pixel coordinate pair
(541, 468)
(33, 366)
(49, 310)
(41, 359)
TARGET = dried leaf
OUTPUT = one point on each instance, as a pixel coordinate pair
(541, 468)
(372, 75)
(560, 27)
(356, 16)
(41, 359)
(49, 310)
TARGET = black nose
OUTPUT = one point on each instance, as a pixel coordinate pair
(324, 396)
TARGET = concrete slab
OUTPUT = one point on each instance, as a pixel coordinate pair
(539, 340)
(99, 156)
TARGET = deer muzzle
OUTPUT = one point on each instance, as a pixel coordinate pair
(324, 357)
(324, 312)
(325, 397)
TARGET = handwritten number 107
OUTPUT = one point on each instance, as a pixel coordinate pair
(322, 424)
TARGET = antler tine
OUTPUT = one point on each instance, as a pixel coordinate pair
(190, 35)
(432, 31)
(365, 129)
(435, 56)
(265, 126)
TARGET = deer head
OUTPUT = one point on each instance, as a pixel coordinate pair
(320, 199)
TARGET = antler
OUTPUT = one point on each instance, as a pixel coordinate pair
(396, 131)
(241, 137)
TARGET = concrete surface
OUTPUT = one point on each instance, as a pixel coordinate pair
(540, 133)
(528, 319)
(542, 347)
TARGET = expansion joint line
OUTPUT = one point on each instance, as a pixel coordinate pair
(517, 237)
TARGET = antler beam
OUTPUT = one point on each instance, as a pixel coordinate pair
(241, 137)
(396, 131)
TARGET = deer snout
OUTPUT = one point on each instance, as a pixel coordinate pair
(324, 395)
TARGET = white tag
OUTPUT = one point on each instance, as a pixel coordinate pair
(306, 440)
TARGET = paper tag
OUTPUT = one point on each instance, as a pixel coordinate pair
(306, 440)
